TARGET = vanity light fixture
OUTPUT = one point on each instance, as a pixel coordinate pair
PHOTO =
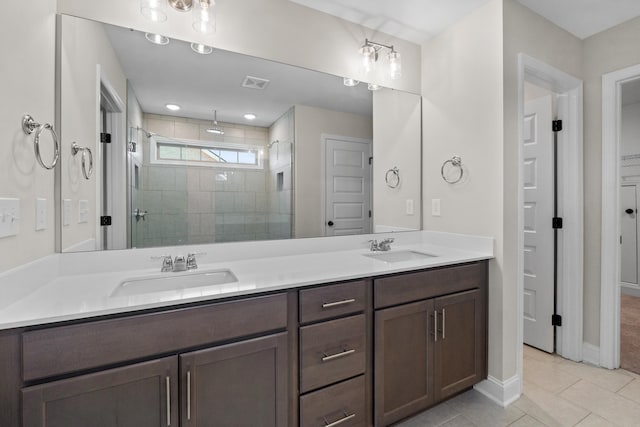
(370, 54)
(350, 82)
(157, 38)
(202, 49)
(373, 86)
(172, 107)
(215, 129)
(250, 116)
(202, 11)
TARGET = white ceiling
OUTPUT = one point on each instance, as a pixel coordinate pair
(419, 20)
(201, 84)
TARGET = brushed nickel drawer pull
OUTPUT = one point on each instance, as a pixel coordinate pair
(337, 303)
(443, 317)
(168, 384)
(340, 421)
(435, 325)
(337, 355)
(188, 395)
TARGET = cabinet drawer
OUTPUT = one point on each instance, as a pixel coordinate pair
(66, 349)
(332, 351)
(341, 404)
(332, 301)
(410, 287)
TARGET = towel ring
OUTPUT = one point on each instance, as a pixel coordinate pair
(456, 162)
(29, 126)
(392, 177)
(74, 150)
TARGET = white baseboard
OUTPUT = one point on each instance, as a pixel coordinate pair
(503, 393)
(591, 354)
(630, 289)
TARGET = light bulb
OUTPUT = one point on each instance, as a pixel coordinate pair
(154, 10)
(369, 57)
(395, 65)
(202, 49)
(203, 17)
(157, 38)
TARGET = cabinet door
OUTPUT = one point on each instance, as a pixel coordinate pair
(460, 350)
(403, 361)
(239, 384)
(144, 394)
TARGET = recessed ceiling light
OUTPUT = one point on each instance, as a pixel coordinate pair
(250, 116)
(350, 82)
(202, 49)
(156, 38)
(172, 107)
(373, 86)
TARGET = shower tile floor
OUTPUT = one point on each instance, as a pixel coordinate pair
(557, 392)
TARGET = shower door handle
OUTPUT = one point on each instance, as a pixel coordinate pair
(629, 211)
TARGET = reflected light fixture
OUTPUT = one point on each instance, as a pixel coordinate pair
(373, 86)
(172, 107)
(202, 49)
(370, 54)
(215, 129)
(350, 82)
(202, 12)
(250, 116)
(157, 38)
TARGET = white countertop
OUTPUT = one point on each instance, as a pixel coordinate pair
(76, 286)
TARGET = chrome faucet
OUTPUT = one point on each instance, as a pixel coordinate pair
(384, 245)
(167, 262)
(191, 261)
(179, 264)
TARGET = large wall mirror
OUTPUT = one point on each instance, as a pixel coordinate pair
(178, 143)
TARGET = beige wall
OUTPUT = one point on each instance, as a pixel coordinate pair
(310, 124)
(279, 30)
(462, 115)
(605, 52)
(396, 143)
(85, 49)
(27, 43)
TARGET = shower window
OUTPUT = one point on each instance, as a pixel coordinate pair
(201, 153)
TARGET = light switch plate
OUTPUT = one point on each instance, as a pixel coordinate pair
(435, 207)
(9, 217)
(83, 211)
(41, 214)
(409, 208)
(66, 212)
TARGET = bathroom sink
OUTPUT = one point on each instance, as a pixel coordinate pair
(399, 256)
(173, 282)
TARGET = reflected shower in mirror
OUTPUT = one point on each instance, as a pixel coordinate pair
(211, 146)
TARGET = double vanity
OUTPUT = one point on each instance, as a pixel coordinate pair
(311, 333)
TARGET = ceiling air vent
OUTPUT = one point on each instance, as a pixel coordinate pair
(255, 83)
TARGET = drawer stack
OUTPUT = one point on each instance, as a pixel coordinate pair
(334, 354)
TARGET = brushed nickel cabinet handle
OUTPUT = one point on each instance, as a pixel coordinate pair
(338, 355)
(435, 325)
(443, 320)
(340, 421)
(168, 384)
(337, 303)
(188, 395)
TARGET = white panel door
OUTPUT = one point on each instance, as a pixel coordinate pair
(347, 187)
(539, 293)
(629, 250)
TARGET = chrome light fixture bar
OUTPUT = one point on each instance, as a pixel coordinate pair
(370, 54)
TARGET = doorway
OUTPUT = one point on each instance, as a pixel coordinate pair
(347, 185)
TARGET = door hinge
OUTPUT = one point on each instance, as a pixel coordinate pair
(556, 125)
(105, 138)
(556, 320)
(370, 160)
(105, 220)
(556, 223)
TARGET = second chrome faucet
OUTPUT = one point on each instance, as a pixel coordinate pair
(383, 245)
(180, 263)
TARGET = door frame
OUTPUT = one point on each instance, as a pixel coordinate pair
(611, 225)
(569, 343)
(323, 174)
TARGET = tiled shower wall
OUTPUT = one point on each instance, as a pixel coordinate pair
(190, 204)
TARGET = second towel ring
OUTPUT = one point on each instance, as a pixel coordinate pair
(74, 150)
(30, 126)
(392, 177)
(456, 162)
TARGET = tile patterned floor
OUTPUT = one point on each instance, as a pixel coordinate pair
(557, 392)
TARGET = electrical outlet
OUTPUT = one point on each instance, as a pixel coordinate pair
(409, 207)
(41, 214)
(9, 217)
(435, 207)
(83, 211)
(66, 212)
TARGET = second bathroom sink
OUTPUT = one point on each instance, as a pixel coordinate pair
(173, 282)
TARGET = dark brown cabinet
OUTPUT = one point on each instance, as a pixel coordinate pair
(144, 394)
(240, 384)
(429, 350)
